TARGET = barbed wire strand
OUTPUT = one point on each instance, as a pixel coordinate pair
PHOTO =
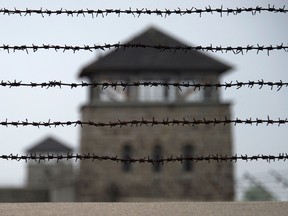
(144, 122)
(144, 11)
(235, 50)
(218, 158)
(103, 85)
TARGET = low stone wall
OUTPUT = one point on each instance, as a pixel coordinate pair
(156, 208)
(23, 195)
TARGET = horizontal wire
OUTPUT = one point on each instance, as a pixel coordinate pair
(124, 85)
(144, 11)
(208, 158)
(151, 123)
(211, 48)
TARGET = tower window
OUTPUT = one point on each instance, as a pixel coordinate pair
(208, 94)
(112, 94)
(151, 93)
(127, 153)
(190, 94)
(157, 155)
(187, 151)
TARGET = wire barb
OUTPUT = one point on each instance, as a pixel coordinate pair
(145, 122)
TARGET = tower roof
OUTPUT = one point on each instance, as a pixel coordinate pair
(147, 59)
(49, 145)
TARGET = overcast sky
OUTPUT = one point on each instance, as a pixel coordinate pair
(62, 105)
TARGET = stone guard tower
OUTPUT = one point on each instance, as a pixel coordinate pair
(57, 178)
(110, 181)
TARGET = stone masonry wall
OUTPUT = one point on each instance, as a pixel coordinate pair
(106, 181)
(23, 195)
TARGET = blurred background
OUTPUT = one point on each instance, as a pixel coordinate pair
(42, 105)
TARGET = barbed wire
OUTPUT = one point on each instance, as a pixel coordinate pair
(144, 11)
(162, 48)
(103, 85)
(144, 122)
(218, 158)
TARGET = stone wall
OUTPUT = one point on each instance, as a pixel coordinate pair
(143, 209)
(23, 195)
(106, 181)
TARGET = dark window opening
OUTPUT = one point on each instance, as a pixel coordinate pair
(113, 193)
(187, 152)
(208, 93)
(127, 154)
(157, 155)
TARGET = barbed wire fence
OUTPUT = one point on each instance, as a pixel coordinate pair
(144, 122)
(103, 85)
(144, 11)
(233, 49)
(181, 159)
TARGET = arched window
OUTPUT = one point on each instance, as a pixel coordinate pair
(127, 154)
(187, 151)
(157, 155)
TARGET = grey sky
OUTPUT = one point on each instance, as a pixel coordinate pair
(63, 105)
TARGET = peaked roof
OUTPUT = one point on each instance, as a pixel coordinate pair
(147, 59)
(49, 145)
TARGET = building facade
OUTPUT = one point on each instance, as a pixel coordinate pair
(56, 177)
(111, 181)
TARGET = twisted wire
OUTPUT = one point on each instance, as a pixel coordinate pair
(211, 48)
(218, 158)
(144, 11)
(103, 85)
(144, 122)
